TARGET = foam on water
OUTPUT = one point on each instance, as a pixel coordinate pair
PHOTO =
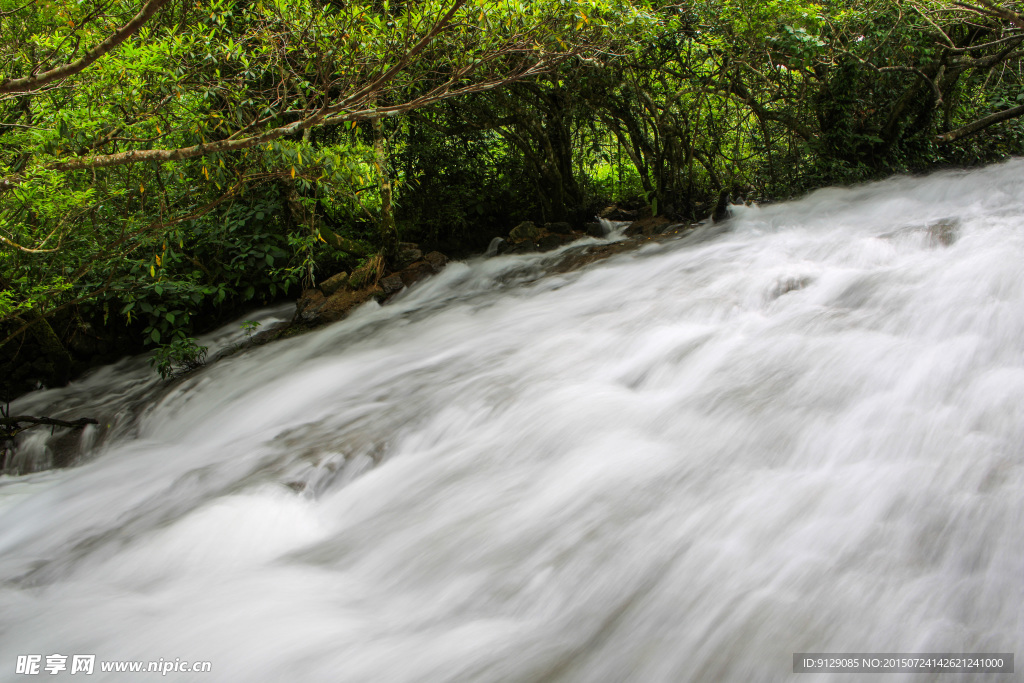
(684, 463)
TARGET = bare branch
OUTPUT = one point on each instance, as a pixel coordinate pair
(27, 250)
(991, 9)
(983, 46)
(16, 422)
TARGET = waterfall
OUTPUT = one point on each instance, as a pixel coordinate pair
(798, 431)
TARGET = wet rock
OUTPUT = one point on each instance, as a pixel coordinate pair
(594, 229)
(437, 260)
(341, 303)
(269, 334)
(410, 275)
(944, 232)
(559, 228)
(393, 283)
(573, 259)
(310, 302)
(553, 241)
(522, 248)
(65, 448)
(941, 233)
(615, 213)
(789, 284)
(408, 252)
(525, 232)
(655, 225)
(334, 283)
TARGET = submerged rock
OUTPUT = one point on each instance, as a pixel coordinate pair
(944, 232)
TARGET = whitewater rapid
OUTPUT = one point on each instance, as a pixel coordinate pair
(804, 433)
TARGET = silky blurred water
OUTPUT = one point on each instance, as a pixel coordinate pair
(803, 433)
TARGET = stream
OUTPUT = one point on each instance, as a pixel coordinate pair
(799, 431)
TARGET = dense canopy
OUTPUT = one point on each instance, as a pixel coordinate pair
(165, 164)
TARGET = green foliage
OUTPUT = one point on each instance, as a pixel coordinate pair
(84, 221)
(229, 153)
(249, 326)
(179, 357)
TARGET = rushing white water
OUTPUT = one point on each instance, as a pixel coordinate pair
(804, 433)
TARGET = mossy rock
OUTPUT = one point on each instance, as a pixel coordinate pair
(525, 232)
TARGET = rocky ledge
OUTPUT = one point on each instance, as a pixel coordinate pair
(334, 298)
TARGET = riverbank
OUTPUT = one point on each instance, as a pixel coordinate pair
(528, 255)
(568, 249)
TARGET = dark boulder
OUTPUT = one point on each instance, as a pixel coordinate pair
(334, 283)
(437, 260)
(408, 252)
(615, 213)
(341, 303)
(309, 304)
(522, 248)
(525, 232)
(559, 228)
(654, 225)
(412, 274)
(391, 284)
(552, 241)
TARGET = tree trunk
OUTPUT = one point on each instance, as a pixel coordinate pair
(387, 227)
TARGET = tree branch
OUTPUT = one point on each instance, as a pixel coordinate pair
(30, 83)
(14, 423)
(991, 9)
(980, 124)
